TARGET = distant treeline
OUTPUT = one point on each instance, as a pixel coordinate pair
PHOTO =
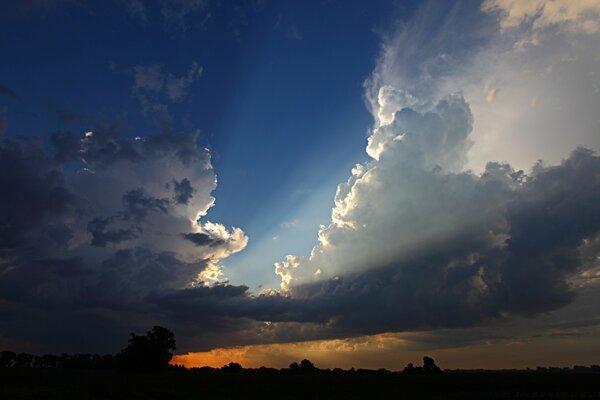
(145, 353)
(9, 359)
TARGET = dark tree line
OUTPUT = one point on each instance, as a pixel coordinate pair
(9, 359)
(144, 353)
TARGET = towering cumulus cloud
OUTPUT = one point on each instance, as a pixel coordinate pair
(419, 241)
(93, 227)
(429, 245)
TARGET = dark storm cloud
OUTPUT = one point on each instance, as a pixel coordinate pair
(3, 124)
(34, 192)
(65, 267)
(137, 204)
(104, 146)
(125, 225)
(549, 220)
(183, 191)
(202, 239)
(87, 234)
(99, 148)
(127, 277)
(103, 232)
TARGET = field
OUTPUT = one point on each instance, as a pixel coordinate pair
(108, 385)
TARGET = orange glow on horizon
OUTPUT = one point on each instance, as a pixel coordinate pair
(280, 355)
(394, 350)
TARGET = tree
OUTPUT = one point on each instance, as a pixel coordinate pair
(429, 366)
(307, 367)
(148, 353)
(232, 367)
(409, 369)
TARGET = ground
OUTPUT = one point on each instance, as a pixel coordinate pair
(108, 385)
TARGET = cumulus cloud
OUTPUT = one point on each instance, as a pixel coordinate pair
(431, 246)
(414, 232)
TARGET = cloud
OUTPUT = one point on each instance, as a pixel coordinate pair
(490, 92)
(104, 231)
(574, 16)
(176, 88)
(38, 192)
(97, 149)
(152, 86)
(430, 245)
(95, 226)
(137, 204)
(183, 191)
(201, 239)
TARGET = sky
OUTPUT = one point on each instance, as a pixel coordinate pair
(359, 183)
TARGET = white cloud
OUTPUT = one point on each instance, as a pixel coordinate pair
(581, 16)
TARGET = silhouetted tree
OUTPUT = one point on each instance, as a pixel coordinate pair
(428, 367)
(148, 353)
(409, 369)
(307, 367)
(232, 367)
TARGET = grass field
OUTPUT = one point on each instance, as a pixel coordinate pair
(106, 385)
